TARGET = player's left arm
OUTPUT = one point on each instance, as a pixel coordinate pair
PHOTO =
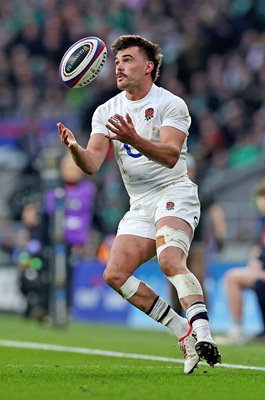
(165, 152)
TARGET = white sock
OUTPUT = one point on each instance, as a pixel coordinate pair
(161, 312)
(178, 325)
(197, 314)
(202, 329)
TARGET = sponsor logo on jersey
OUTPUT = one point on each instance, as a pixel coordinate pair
(170, 205)
(149, 114)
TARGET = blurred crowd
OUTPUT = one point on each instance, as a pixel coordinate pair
(214, 58)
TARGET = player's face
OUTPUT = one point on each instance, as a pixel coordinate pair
(132, 67)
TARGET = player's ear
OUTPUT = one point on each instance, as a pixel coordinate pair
(149, 67)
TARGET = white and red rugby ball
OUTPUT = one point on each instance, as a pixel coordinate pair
(82, 62)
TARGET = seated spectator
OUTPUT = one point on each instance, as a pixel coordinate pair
(251, 276)
(259, 288)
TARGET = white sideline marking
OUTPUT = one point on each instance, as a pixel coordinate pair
(106, 353)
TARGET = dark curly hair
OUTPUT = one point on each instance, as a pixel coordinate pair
(151, 49)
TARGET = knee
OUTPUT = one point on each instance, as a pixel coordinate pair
(113, 278)
(230, 278)
(171, 265)
(165, 263)
(110, 277)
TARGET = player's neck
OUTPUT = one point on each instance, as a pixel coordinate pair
(139, 92)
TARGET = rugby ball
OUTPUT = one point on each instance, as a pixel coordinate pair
(82, 62)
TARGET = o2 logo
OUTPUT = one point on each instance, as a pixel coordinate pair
(130, 153)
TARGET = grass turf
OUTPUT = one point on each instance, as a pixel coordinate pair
(37, 374)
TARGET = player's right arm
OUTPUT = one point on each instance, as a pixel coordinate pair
(89, 159)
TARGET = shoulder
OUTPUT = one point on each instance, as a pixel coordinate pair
(111, 102)
(166, 97)
(171, 104)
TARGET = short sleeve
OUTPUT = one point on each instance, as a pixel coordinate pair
(176, 114)
(99, 121)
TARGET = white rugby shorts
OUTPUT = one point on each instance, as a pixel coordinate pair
(178, 200)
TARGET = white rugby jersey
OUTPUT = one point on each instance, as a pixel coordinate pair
(158, 108)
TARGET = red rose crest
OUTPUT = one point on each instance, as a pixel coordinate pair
(170, 205)
(149, 114)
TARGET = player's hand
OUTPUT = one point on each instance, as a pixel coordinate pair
(67, 137)
(122, 128)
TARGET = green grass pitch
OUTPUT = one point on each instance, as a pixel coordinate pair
(27, 374)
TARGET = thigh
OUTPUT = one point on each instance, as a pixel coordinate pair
(172, 259)
(176, 223)
(137, 222)
(244, 277)
(178, 208)
(128, 252)
(179, 203)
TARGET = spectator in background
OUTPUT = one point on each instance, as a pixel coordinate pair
(252, 276)
(212, 211)
(259, 288)
(79, 200)
(30, 256)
